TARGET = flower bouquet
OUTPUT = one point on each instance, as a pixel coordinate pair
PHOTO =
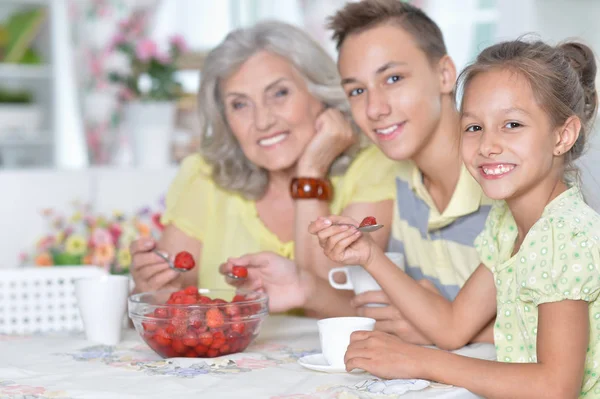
(83, 238)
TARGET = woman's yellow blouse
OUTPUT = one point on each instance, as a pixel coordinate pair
(228, 225)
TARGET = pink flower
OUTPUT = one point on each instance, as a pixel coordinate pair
(101, 237)
(126, 94)
(145, 50)
(163, 58)
(179, 43)
(116, 41)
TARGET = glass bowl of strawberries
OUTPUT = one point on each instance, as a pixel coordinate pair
(198, 322)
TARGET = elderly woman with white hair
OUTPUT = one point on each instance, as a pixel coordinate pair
(278, 150)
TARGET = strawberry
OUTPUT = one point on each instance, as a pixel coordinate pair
(162, 338)
(239, 328)
(184, 260)
(191, 290)
(239, 271)
(204, 300)
(368, 221)
(212, 353)
(162, 313)
(238, 298)
(214, 318)
(205, 339)
(190, 339)
(232, 310)
(178, 346)
(201, 349)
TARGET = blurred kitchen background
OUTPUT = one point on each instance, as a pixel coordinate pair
(72, 128)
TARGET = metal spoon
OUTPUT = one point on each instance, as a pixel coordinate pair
(365, 229)
(230, 275)
(166, 258)
(371, 228)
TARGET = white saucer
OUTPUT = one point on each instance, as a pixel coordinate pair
(318, 363)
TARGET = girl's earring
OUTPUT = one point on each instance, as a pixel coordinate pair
(558, 152)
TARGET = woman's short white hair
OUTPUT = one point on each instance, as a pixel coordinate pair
(231, 170)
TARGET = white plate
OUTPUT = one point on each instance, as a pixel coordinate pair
(319, 363)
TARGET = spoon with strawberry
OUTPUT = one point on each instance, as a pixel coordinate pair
(369, 225)
(183, 262)
(238, 273)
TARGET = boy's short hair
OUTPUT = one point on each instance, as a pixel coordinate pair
(360, 16)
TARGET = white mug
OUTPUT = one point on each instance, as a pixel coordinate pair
(334, 334)
(102, 303)
(359, 280)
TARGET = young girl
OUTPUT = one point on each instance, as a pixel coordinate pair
(526, 112)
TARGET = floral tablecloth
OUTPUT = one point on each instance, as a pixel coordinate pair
(66, 366)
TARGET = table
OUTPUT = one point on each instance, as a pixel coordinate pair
(65, 366)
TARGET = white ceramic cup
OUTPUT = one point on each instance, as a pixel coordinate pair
(334, 334)
(359, 280)
(102, 303)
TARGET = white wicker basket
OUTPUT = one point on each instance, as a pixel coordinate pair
(41, 299)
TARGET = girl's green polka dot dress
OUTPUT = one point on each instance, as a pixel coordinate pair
(558, 260)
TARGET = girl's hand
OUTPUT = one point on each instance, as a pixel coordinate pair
(333, 136)
(384, 355)
(341, 241)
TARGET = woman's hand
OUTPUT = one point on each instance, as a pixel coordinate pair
(150, 272)
(333, 136)
(279, 277)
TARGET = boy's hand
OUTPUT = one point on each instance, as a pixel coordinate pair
(341, 241)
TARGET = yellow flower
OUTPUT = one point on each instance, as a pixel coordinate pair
(43, 259)
(77, 216)
(124, 258)
(60, 237)
(75, 245)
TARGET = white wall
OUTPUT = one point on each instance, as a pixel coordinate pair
(557, 20)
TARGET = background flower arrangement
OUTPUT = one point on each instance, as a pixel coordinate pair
(83, 238)
(151, 72)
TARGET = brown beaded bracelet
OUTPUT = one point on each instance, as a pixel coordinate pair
(311, 188)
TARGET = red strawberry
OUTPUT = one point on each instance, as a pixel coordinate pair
(239, 328)
(162, 313)
(368, 221)
(162, 338)
(178, 346)
(149, 326)
(238, 298)
(191, 290)
(205, 339)
(190, 339)
(232, 310)
(239, 271)
(212, 352)
(184, 260)
(201, 349)
(214, 318)
(189, 300)
(204, 300)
